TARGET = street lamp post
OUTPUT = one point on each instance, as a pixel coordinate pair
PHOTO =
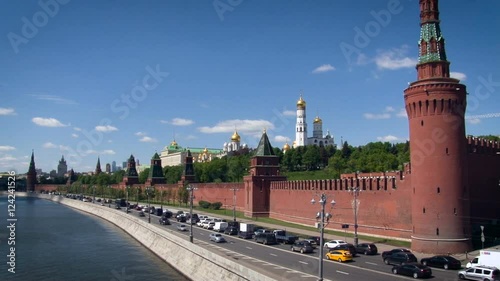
(148, 191)
(126, 200)
(93, 191)
(234, 202)
(109, 202)
(191, 189)
(322, 216)
(355, 191)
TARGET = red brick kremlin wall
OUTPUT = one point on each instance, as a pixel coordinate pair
(384, 200)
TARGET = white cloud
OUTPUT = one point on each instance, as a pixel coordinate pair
(64, 148)
(147, 139)
(289, 113)
(323, 68)
(474, 121)
(108, 152)
(47, 122)
(49, 145)
(373, 116)
(7, 111)
(458, 75)
(55, 99)
(190, 137)
(402, 113)
(178, 122)
(7, 158)
(389, 109)
(281, 139)
(388, 138)
(77, 129)
(249, 127)
(106, 128)
(74, 135)
(6, 148)
(140, 134)
(395, 59)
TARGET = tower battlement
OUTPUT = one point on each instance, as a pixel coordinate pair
(482, 146)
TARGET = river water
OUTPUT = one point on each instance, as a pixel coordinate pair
(55, 242)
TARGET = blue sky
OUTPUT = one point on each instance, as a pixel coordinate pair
(112, 78)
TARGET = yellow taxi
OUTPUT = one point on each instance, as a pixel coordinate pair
(339, 255)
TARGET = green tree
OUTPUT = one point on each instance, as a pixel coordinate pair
(143, 176)
(311, 158)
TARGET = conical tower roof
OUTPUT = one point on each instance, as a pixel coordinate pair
(264, 148)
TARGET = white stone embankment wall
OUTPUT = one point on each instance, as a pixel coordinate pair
(193, 261)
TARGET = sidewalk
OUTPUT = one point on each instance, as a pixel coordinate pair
(464, 258)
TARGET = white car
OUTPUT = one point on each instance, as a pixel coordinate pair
(334, 243)
(217, 238)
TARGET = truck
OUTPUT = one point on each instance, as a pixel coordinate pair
(246, 230)
(220, 226)
(490, 257)
(283, 237)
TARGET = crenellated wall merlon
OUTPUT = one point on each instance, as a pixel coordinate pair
(482, 146)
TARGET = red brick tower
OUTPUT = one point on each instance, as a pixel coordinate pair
(264, 168)
(435, 105)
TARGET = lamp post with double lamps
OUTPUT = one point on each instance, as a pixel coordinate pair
(126, 200)
(149, 190)
(322, 216)
(355, 191)
(191, 190)
(234, 202)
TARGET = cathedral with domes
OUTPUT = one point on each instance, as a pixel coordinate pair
(301, 138)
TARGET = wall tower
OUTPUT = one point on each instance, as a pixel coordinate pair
(31, 174)
(98, 167)
(301, 126)
(435, 105)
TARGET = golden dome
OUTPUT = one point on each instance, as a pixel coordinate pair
(173, 143)
(301, 103)
(235, 137)
(286, 147)
(317, 120)
(205, 151)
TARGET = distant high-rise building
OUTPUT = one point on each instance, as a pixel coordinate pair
(108, 168)
(124, 165)
(62, 168)
(113, 167)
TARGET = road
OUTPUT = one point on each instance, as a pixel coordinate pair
(280, 261)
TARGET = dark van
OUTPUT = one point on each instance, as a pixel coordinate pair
(265, 238)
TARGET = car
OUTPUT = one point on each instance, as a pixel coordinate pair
(367, 249)
(181, 218)
(181, 227)
(265, 238)
(445, 262)
(217, 237)
(231, 230)
(209, 225)
(118, 207)
(262, 231)
(164, 221)
(339, 255)
(348, 247)
(314, 240)
(333, 243)
(414, 270)
(302, 246)
(386, 254)
(480, 273)
(400, 258)
(141, 214)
